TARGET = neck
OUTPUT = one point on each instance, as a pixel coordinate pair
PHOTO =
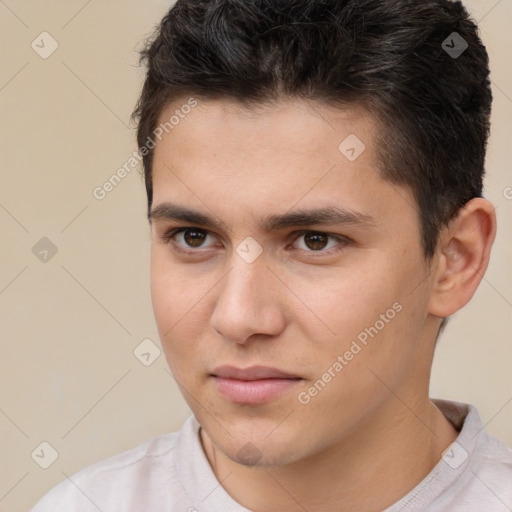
(370, 470)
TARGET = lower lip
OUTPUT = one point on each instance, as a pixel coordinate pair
(253, 391)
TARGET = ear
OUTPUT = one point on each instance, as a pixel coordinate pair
(463, 254)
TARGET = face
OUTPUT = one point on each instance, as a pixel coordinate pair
(277, 248)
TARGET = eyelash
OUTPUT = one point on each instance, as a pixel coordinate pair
(170, 235)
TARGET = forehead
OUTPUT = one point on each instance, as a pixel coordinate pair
(302, 125)
(250, 161)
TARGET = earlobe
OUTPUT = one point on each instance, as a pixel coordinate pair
(463, 256)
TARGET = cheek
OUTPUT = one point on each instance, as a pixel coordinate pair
(346, 301)
(367, 314)
(180, 308)
(168, 296)
(163, 293)
(173, 291)
(372, 351)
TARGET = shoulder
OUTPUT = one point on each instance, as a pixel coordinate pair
(497, 452)
(493, 465)
(473, 475)
(491, 456)
(116, 483)
(485, 483)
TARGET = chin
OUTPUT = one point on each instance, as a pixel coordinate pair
(254, 436)
(272, 454)
(254, 447)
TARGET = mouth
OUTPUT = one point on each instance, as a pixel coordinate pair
(254, 385)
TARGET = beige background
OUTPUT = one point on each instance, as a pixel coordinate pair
(69, 326)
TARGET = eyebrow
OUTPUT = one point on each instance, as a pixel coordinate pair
(330, 215)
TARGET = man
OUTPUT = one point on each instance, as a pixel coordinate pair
(314, 176)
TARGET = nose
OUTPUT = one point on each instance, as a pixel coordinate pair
(248, 302)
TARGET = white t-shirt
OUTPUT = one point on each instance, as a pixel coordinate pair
(170, 473)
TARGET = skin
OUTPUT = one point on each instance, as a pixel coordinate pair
(299, 306)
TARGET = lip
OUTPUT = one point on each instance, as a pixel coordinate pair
(254, 385)
(251, 373)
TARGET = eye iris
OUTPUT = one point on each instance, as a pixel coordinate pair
(316, 241)
(194, 238)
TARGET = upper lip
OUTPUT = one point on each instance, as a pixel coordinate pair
(251, 373)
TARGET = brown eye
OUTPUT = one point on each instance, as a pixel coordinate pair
(191, 238)
(316, 241)
(194, 238)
